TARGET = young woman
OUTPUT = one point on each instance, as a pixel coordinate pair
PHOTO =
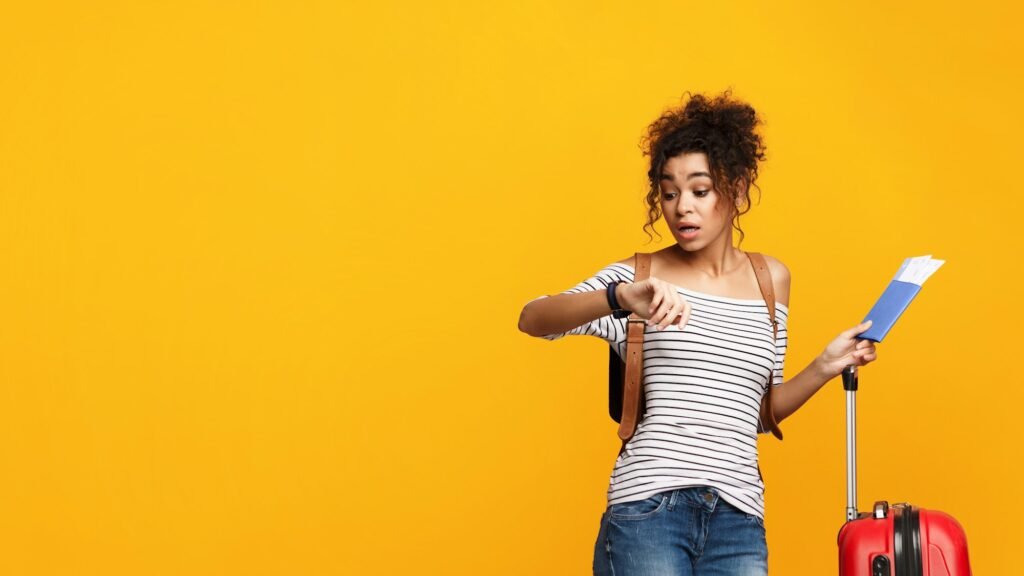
(686, 494)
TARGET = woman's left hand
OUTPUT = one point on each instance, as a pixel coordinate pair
(847, 350)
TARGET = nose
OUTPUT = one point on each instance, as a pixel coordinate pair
(685, 204)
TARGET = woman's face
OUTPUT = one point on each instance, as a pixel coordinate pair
(687, 196)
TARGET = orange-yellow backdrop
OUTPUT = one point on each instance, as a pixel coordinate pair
(263, 261)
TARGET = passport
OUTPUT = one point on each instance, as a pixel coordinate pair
(901, 290)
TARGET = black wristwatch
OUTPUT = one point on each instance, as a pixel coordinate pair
(617, 311)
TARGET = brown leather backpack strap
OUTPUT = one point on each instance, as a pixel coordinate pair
(633, 382)
(764, 281)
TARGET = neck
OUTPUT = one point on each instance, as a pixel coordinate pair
(713, 261)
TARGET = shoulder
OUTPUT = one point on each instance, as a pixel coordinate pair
(621, 269)
(624, 268)
(780, 278)
(630, 260)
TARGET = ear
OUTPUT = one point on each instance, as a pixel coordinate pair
(741, 187)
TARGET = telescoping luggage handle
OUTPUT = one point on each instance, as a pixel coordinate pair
(881, 508)
(850, 385)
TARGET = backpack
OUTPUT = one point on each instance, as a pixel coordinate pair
(626, 402)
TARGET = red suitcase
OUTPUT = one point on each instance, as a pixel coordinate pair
(902, 540)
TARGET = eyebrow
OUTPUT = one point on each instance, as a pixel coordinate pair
(693, 175)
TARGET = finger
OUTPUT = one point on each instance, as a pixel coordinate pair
(655, 300)
(657, 312)
(653, 318)
(685, 316)
(673, 314)
(862, 326)
(865, 356)
(857, 329)
(665, 313)
(680, 319)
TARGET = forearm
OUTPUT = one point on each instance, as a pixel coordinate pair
(562, 312)
(794, 392)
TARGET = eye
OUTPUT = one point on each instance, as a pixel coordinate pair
(698, 193)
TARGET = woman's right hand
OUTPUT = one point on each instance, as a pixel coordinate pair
(655, 300)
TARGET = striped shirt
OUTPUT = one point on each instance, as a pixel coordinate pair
(703, 386)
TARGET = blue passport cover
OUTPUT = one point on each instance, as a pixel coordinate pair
(888, 308)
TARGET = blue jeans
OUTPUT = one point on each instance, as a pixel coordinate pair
(683, 532)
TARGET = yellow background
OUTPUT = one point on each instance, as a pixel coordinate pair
(262, 264)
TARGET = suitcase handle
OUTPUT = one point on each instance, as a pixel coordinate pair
(850, 385)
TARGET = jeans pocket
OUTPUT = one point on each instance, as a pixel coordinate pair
(754, 519)
(639, 509)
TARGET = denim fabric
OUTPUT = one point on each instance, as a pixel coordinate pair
(683, 532)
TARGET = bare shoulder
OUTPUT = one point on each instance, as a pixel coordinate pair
(656, 258)
(780, 278)
(776, 266)
(630, 261)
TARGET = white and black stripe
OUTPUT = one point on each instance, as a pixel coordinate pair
(703, 387)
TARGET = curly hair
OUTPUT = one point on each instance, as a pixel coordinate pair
(723, 129)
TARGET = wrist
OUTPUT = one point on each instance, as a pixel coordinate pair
(618, 308)
(820, 368)
(618, 295)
